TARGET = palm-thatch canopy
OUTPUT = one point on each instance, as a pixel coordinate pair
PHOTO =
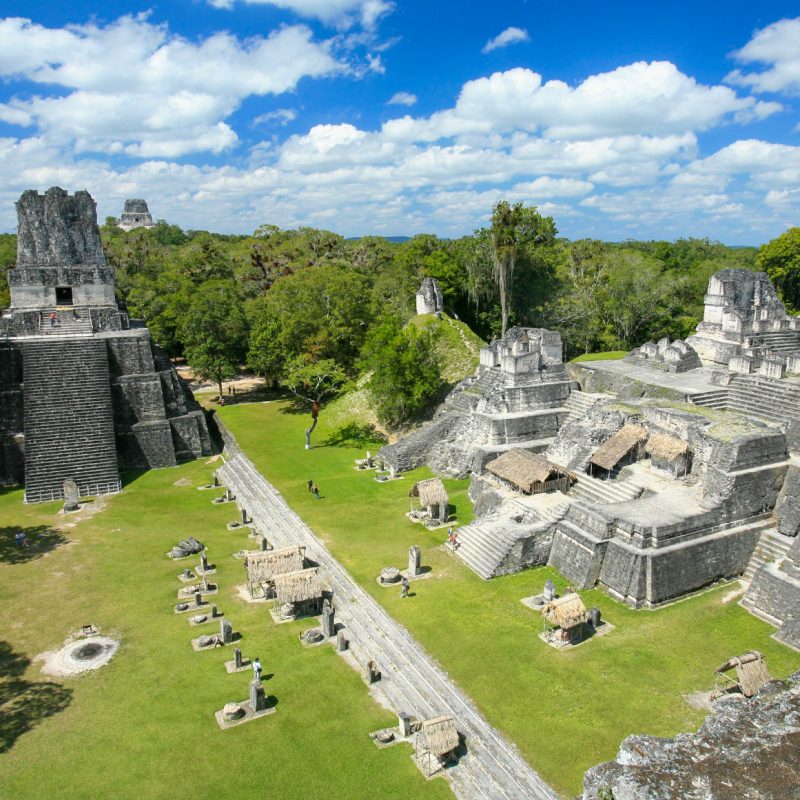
(431, 492)
(441, 736)
(523, 469)
(613, 450)
(666, 448)
(265, 566)
(751, 671)
(297, 587)
(566, 612)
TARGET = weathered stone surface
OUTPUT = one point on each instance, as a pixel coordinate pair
(135, 214)
(57, 229)
(745, 749)
(429, 297)
(787, 509)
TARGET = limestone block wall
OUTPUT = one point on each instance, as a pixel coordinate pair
(12, 448)
(776, 592)
(531, 549)
(787, 508)
(35, 287)
(156, 420)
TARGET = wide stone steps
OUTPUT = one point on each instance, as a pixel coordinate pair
(69, 428)
(579, 402)
(717, 399)
(482, 550)
(605, 492)
(411, 681)
(781, 343)
(771, 546)
(68, 323)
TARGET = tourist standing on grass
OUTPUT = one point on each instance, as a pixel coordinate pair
(310, 487)
(315, 490)
(404, 587)
(256, 669)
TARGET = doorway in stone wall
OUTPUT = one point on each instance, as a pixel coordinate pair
(63, 295)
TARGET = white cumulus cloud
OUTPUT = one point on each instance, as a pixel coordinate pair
(134, 87)
(778, 47)
(509, 36)
(402, 99)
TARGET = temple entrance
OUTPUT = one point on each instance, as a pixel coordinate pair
(63, 295)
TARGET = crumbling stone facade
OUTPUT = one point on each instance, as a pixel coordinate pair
(135, 214)
(515, 399)
(429, 297)
(85, 393)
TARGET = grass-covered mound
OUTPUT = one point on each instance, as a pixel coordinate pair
(142, 727)
(457, 346)
(610, 355)
(566, 711)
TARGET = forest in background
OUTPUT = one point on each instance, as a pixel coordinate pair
(312, 311)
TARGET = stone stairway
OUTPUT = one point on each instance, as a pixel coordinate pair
(774, 343)
(411, 681)
(579, 402)
(69, 428)
(769, 399)
(717, 398)
(771, 546)
(70, 323)
(604, 492)
(482, 548)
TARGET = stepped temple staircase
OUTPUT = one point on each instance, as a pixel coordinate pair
(69, 428)
(771, 546)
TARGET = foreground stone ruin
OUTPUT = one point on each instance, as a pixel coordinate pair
(86, 390)
(745, 748)
(653, 476)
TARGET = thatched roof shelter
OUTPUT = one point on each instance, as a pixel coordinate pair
(441, 736)
(523, 469)
(566, 612)
(665, 447)
(751, 671)
(613, 450)
(265, 566)
(431, 492)
(297, 587)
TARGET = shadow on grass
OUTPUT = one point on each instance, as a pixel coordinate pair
(41, 539)
(354, 435)
(24, 703)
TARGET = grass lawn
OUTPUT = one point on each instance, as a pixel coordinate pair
(566, 711)
(143, 726)
(611, 355)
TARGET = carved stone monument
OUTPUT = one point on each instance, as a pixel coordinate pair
(258, 700)
(71, 495)
(328, 621)
(225, 631)
(414, 561)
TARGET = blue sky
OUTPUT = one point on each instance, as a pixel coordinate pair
(373, 116)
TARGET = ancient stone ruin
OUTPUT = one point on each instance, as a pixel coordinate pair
(652, 476)
(87, 391)
(745, 748)
(135, 215)
(517, 398)
(429, 297)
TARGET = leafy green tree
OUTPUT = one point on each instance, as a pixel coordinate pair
(8, 257)
(780, 259)
(313, 380)
(214, 331)
(265, 355)
(516, 232)
(509, 258)
(405, 376)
